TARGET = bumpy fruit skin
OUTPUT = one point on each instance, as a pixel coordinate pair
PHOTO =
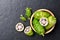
(22, 18)
(28, 12)
(51, 21)
(39, 14)
(38, 28)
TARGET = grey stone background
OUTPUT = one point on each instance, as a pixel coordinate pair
(10, 11)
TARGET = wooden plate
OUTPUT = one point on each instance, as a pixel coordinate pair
(33, 16)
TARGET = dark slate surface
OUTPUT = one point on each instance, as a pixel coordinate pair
(10, 11)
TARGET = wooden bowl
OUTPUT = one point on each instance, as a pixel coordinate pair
(33, 16)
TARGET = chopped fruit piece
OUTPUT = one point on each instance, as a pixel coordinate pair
(19, 27)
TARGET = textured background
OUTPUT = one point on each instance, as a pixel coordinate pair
(10, 11)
